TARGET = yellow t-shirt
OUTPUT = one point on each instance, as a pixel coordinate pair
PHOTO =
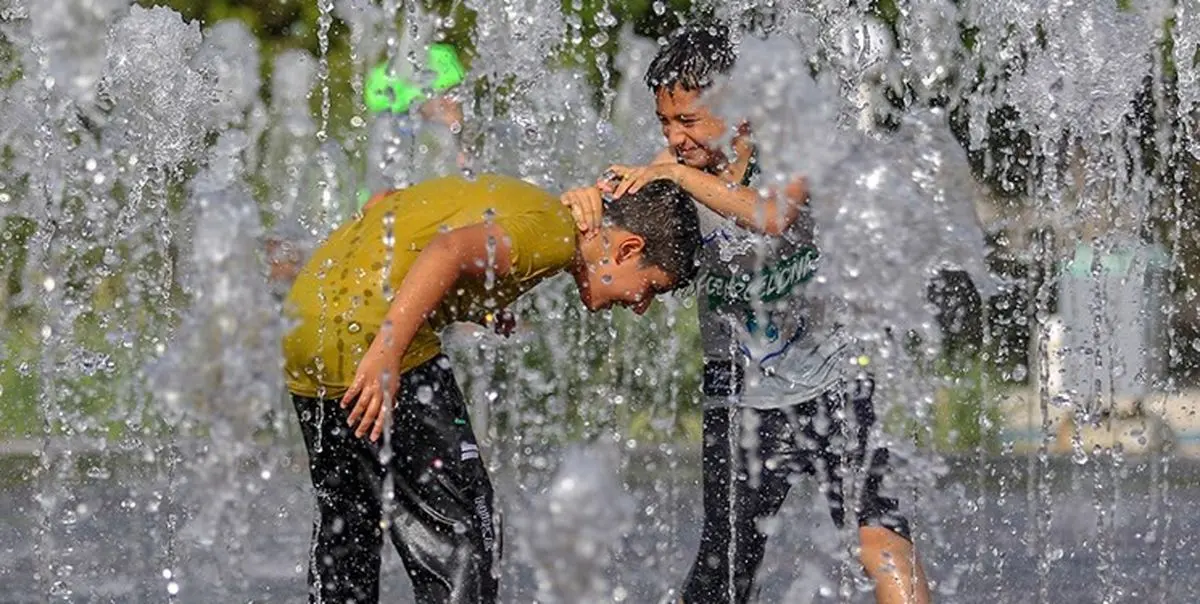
(338, 303)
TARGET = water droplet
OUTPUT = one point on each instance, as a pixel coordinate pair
(606, 279)
(1079, 457)
(659, 7)
(173, 588)
(90, 165)
(69, 518)
(357, 122)
(59, 589)
(425, 394)
(48, 284)
(353, 327)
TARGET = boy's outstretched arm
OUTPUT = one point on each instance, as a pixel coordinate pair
(460, 253)
(768, 214)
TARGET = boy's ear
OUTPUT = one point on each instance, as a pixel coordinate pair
(629, 248)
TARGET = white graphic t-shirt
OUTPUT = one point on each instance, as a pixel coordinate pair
(754, 312)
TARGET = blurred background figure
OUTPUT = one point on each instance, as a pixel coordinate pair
(415, 129)
(416, 118)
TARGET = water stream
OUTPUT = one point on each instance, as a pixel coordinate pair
(1034, 163)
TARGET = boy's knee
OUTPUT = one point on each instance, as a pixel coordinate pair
(882, 545)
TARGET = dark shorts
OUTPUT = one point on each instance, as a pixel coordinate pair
(751, 459)
(432, 495)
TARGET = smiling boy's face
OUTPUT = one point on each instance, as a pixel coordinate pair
(690, 127)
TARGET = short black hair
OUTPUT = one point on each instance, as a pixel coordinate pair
(663, 215)
(692, 57)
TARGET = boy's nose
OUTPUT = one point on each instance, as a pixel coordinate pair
(675, 135)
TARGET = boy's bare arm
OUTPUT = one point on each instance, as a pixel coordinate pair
(769, 214)
(461, 253)
(764, 214)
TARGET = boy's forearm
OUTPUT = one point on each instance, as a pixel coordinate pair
(743, 204)
(428, 280)
(445, 260)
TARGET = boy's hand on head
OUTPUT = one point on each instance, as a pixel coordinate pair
(373, 389)
(587, 209)
(633, 178)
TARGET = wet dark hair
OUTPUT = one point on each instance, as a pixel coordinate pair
(663, 215)
(692, 57)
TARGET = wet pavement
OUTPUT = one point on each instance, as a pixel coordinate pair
(111, 527)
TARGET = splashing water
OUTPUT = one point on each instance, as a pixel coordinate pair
(864, 191)
(576, 524)
(144, 169)
(158, 97)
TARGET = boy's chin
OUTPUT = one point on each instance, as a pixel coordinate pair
(591, 304)
(585, 296)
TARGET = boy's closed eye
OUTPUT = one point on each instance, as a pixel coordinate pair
(686, 120)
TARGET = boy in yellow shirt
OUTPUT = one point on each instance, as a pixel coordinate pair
(364, 358)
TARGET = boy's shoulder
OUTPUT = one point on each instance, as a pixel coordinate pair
(541, 231)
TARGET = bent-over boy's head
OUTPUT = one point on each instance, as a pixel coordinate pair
(647, 247)
(688, 65)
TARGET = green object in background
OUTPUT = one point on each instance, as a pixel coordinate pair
(395, 94)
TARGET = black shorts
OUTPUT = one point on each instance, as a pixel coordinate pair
(439, 512)
(751, 459)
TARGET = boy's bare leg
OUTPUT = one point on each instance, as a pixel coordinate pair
(892, 564)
